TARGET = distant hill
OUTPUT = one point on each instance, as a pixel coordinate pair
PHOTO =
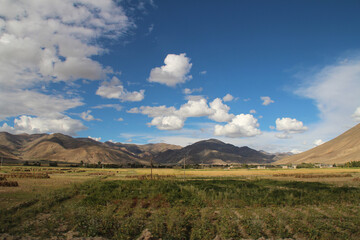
(212, 151)
(59, 147)
(63, 148)
(342, 149)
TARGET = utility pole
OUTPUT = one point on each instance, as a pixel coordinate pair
(151, 164)
(185, 165)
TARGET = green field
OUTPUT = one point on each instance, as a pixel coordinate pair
(236, 204)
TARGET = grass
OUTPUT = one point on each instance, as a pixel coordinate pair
(231, 204)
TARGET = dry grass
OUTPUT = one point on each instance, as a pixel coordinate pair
(249, 208)
(30, 188)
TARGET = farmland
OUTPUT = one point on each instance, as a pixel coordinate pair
(208, 203)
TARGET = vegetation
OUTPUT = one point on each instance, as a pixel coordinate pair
(123, 204)
(353, 164)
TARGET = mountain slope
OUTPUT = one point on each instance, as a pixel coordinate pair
(342, 149)
(59, 147)
(212, 151)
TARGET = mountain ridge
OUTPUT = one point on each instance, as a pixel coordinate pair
(63, 148)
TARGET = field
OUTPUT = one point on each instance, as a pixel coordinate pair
(205, 204)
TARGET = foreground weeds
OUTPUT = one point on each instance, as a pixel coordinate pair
(193, 209)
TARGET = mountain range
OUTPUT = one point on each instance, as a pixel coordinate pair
(63, 148)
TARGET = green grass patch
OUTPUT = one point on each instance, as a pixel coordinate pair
(193, 209)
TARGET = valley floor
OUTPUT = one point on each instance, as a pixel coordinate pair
(67, 203)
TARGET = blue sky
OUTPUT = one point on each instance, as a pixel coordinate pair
(273, 75)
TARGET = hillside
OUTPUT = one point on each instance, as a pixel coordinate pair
(213, 151)
(59, 147)
(63, 148)
(342, 149)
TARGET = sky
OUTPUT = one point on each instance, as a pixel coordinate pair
(279, 76)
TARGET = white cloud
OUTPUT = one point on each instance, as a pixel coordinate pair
(228, 98)
(120, 119)
(78, 68)
(335, 91)
(318, 142)
(266, 100)
(289, 126)
(283, 135)
(170, 118)
(220, 111)
(194, 108)
(203, 72)
(43, 41)
(26, 102)
(30, 125)
(154, 111)
(101, 106)
(167, 122)
(88, 117)
(115, 89)
(356, 115)
(252, 111)
(98, 139)
(173, 72)
(243, 125)
(190, 91)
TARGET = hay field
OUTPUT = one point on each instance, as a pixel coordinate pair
(223, 203)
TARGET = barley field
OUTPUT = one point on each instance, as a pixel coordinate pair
(203, 204)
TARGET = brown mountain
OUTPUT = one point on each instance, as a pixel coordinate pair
(63, 148)
(151, 148)
(212, 151)
(342, 149)
(59, 147)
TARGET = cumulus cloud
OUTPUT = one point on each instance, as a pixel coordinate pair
(195, 107)
(120, 119)
(98, 139)
(27, 102)
(30, 125)
(228, 98)
(356, 115)
(170, 118)
(54, 41)
(88, 117)
(220, 111)
(266, 100)
(115, 89)
(174, 71)
(167, 122)
(252, 111)
(243, 125)
(289, 126)
(188, 91)
(46, 42)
